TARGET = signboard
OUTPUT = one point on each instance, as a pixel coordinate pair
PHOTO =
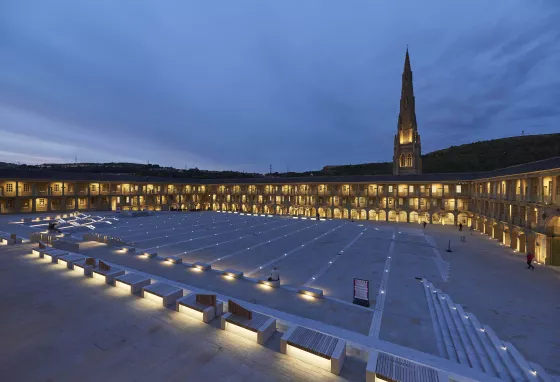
(361, 292)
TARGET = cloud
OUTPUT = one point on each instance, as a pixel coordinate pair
(245, 84)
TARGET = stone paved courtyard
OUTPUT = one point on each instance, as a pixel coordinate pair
(487, 279)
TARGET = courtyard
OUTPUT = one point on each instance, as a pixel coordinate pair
(399, 261)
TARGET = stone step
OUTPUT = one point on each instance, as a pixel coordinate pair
(462, 331)
(489, 348)
(450, 349)
(502, 351)
(526, 368)
(487, 366)
(435, 323)
(457, 344)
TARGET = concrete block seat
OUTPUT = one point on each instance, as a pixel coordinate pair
(128, 249)
(202, 266)
(68, 260)
(385, 367)
(149, 254)
(313, 292)
(233, 273)
(316, 348)
(272, 284)
(204, 307)
(132, 282)
(106, 273)
(174, 259)
(162, 293)
(49, 254)
(85, 266)
(245, 323)
(9, 238)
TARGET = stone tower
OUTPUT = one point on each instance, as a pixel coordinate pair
(407, 157)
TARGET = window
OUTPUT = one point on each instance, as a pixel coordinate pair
(56, 188)
(390, 201)
(403, 160)
(93, 187)
(119, 199)
(26, 188)
(390, 188)
(409, 160)
(82, 202)
(458, 188)
(9, 204)
(410, 189)
(9, 187)
(41, 202)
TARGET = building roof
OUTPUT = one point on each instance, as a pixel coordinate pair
(38, 175)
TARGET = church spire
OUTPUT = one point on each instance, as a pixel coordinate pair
(407, 152)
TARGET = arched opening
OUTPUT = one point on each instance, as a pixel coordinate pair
(345, 213)
(363, 215)
(322, 212)
(372, 215)
(521, 242)
(402, 160)
(392, 216)
(413, 217)
(354, 214)
(382, 215)
(224, 207)
(423, 217)
(336, 213)
(506, 237)
(436, 218)
(449, 219)
(402, 217)
(463, 219)
(409, 160)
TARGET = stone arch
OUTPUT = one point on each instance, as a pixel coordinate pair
(345, 213)
(448, 218)
(402, 160)
(392, 216)
(337, 214)
(293, 211)
(266, 209)
(372, 215)
(463, 218)
(363, 215)
(322, 212)
(354, 214)
(409, 160)
(506, 236)
(402, 217)
(552, 226)
(225, 207)
(382, 215)
(521, 241)
(197, 206)
(436, 218)
(413, 217)
(424, 217)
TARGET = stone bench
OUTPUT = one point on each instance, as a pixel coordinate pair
(67, 261)
(174, 259)
(385, 367)
(245, 323)
(106, 273)
(202, 266)
(85, 266)
(6, 240)
(51, 255)
(319, 349)
(127, 249)
(313, 292)
(204, 307)
(132, 282)
(233, 273)
(272, 284)
(162, 293)
(149, 254)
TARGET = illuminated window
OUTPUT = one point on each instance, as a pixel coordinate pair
(56, 188)
(9, 187)
(26, 188)
(403, 160)
(458, 188)
(410, 188)
(390, 188)
(41, 202)
(93, 187)
(409, 160)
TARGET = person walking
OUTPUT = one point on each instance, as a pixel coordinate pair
(460, 226)
(472, 229)
(530, 258)
(424, 224)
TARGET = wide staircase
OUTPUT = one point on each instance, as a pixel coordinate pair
(461, 338)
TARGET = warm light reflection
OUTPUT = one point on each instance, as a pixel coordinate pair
(310, 358)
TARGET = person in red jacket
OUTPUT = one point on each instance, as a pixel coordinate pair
(530, 258)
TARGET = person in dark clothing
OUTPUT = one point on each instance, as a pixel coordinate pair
(530, 258)
(460, 226)
(424, 224)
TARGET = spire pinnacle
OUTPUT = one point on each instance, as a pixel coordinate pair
(407, 61)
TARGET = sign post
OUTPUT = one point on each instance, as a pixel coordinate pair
(361, 292)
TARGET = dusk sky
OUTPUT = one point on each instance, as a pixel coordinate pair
(243, 84)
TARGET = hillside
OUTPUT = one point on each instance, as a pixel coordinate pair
(472, 157)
